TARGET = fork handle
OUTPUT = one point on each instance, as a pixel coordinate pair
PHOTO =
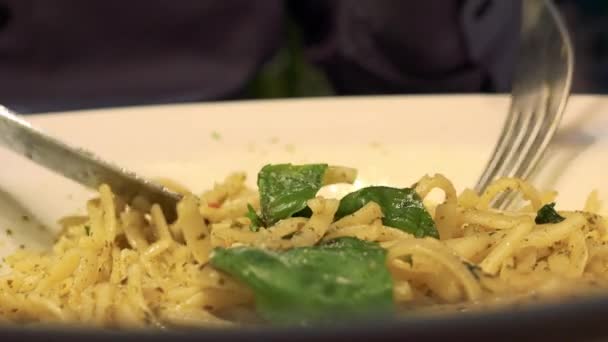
(78, 164)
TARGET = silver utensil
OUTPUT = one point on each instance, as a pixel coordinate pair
(80, 165)
(540, 90)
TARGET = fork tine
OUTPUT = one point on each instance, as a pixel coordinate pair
(537, 127)
(541, 86)
(502, 146)
(542, 141)
(535, 130)
(522, 134)
(511, 138)
(537, 145)
(519, 147)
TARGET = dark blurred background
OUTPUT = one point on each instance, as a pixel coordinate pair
(588, 23)
(290, 75)
(72, 54)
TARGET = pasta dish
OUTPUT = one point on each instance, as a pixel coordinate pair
(281, 254)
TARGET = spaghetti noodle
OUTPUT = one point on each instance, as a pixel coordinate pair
(119, 266)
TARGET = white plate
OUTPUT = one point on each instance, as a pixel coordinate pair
(391, 140)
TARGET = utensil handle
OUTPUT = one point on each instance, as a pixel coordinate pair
(78, 164)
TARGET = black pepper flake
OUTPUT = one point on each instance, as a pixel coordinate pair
(408, 258)
(25, 218)
(9, 232)
(208, 307)
(14, 310)
(22, 246)
(147, 317)
(221, 281)
(473, 269)
(288, 236)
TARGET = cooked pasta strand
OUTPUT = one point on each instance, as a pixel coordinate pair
(123, 265)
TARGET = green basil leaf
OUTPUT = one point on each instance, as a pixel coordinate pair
(548, 214)
(344, 278)
(402, 209)
(285, 189)
(256, 221)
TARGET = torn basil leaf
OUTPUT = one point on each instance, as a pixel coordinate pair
(402, 209)
(285, 189)
(548, 214)
(344, 278)
(256, 221)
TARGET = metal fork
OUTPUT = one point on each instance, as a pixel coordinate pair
(80, 165)
(540, 90)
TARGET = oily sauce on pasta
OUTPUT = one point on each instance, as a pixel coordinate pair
(123, 265)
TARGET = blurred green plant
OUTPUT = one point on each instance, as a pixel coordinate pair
(288, 73)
